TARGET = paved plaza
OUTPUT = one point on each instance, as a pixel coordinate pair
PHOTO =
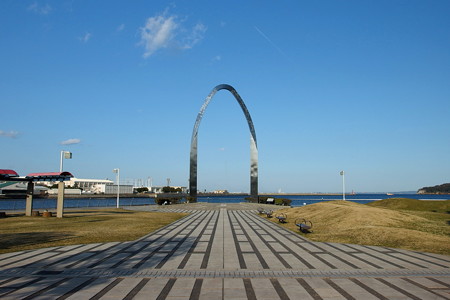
(223, 251)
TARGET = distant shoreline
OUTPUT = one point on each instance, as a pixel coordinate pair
(175, 195)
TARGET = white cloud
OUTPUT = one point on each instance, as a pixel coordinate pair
(85, 38)
(71, 142)
(40, 9)
(157, 33)
(10, 134)
(165, 31)
(217, 58)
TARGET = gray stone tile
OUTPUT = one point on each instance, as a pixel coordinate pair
(411, 288)
(293, 289)
(264, 289)
(428, 283)
(182, 288)
(31, 289)
(382, 289)
(323, 289)
(62, 289)
(353, 289)
(152, 289)
(233, 288)
(423, 261)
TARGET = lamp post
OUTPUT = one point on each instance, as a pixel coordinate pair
(343, 185)
(66, 155)
(117, 171)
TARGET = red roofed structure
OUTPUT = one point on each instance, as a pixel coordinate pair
(6, 174)
(11, 175)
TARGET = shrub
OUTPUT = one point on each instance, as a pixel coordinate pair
(170, 200)
(283, 201)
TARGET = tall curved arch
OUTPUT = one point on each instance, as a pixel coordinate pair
(253, 144)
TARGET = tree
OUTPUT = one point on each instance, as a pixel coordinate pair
(141, 190)
(169, 189)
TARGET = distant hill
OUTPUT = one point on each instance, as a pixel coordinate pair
(437, 189)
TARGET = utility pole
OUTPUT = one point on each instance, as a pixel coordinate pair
(343, 185)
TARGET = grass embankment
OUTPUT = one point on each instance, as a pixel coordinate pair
(79, 227)
(399, 223)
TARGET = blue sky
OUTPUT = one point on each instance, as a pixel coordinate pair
(360, 86)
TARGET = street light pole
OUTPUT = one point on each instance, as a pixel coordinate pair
(343, 185)
(66, 155)
(117, 171)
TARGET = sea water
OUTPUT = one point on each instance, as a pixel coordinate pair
(300, 200)
(297, 200)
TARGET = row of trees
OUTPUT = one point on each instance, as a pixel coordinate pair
(437, 189)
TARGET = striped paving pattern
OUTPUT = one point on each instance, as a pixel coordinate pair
(223, 252)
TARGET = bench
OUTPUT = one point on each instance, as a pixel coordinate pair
(304, 225)
(282, 217)
(268, 212)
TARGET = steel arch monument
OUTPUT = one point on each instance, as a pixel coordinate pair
(253, 144)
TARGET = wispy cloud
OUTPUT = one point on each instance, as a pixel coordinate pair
(194, 36)
(165, 31)
(157, 33)
(10, 134)
(40, 9)
(85, 38)
(270, 41)
(217, 58)
(120, 28)
(71, 142)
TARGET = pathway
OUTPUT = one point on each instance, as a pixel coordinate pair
(223, 251)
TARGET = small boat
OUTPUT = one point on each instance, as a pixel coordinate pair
(389, 194)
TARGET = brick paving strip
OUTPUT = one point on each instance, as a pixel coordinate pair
(223, 251)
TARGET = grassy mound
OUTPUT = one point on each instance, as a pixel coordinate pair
(413, 204)
(349, 222)
(80, 227)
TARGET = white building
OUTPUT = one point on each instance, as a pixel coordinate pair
(99, 186)
(66, 192)
(123, 189)
(94, 186)
(87, 184)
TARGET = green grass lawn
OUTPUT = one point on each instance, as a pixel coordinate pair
(79, 227)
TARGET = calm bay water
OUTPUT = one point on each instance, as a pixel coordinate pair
(297, 200)
(41, 204)
(300, 200)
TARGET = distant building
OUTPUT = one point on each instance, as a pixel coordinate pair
(92, 185)
(220, 192)
(66, 191)
(123, 189)
(96, 186)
